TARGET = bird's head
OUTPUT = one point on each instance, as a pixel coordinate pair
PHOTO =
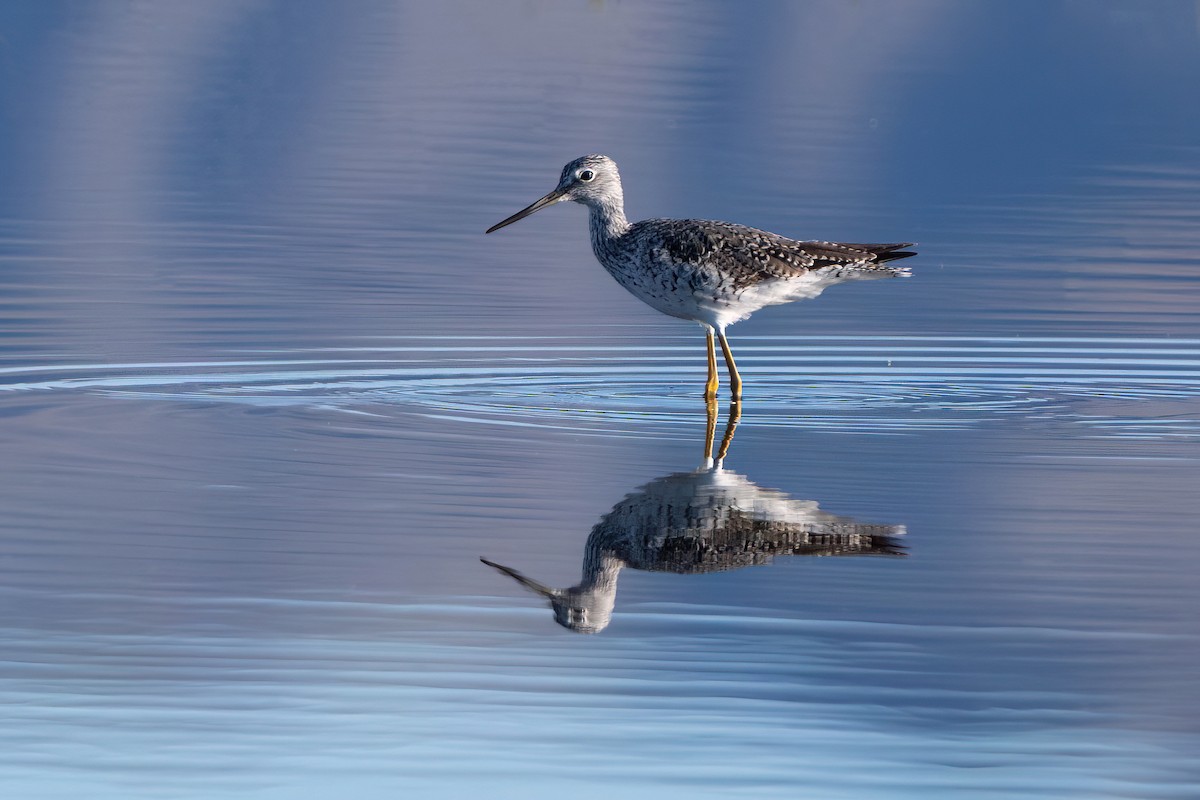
(592, 180)
(581, 609)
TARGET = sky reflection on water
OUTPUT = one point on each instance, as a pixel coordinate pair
(267, 394)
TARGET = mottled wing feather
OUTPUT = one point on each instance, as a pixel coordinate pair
(745, 256)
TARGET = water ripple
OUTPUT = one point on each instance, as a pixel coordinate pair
(1113, 387)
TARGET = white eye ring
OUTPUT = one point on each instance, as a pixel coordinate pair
(586, 175)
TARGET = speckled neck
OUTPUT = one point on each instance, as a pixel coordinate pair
(607, 222)
(600, 571)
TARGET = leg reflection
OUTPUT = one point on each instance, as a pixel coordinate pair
(710, 431)
(735, 416)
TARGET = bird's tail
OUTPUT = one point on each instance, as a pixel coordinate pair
(889, 252)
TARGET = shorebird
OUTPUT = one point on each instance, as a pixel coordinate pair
(709, 520)
(713, 273)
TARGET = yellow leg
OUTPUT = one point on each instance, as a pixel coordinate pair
(735, 380)
(710, 388)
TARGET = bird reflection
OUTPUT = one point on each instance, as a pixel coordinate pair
(707, 520)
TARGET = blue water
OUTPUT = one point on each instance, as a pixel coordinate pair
(267, 395)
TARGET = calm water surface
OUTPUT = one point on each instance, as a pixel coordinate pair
(267, 396)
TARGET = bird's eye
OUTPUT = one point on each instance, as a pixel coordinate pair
(586, 175)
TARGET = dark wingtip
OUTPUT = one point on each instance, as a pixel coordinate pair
(891, 252)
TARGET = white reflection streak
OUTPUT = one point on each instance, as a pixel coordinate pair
(835, 61)
(126, 81)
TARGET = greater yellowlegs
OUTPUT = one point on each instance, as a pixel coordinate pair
(713, 273)
(709, 520)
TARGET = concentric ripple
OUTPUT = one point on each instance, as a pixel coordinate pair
(1114, 387)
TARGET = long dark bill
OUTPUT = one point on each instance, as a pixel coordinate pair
(531, 585)
(548, 200)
